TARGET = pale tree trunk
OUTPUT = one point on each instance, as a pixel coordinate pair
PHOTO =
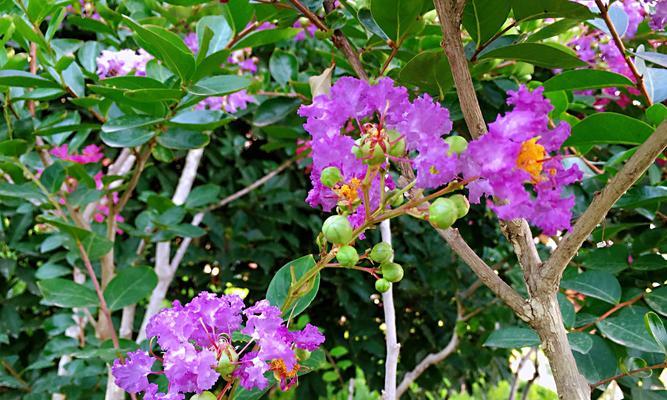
(393, 348)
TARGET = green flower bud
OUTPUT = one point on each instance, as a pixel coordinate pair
(372, 154)
(203, 396)
(337, 229)
(302, 355)
(391, 271)
(397, 147)
(330, 176)
(356, 149)
(227, 361)
(396, 201)
(457, 144)
(462, 205)
(442, 213)
(382, 252)
(347, 256)
(382, 285)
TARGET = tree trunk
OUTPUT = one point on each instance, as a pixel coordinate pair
(548, 323)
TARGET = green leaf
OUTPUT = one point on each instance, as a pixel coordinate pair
(483, 18)
(219, 85)
(274, 110)
(598, 363)
(608, 259)
(210, 64)
(656, 329)
(657, 299)
(430, 71)
(553, 29)
(580, 342)
(93, 244)
(53, 177)
(238, 13)
(182, 139)
(598, 284)
(642, 196)
(366, 18)
(151, 95)
(201, 119)
(14, 78)
(627, 328)
(282, 280)
(396, 17)
(129, 286)
(129, 122)
(13, 147)
(581, 79)
(283, 66)
(541, 55)
(609, 128)
(202, 196)
(187, 230)
(50, 271)
(262, 38)
(127, 137)
(567, 310)
(90, 25)
(649, 262)
(166, 46)
(67, 294)
(531, 9)
(222, 32)
(656, 114)
(512, 338)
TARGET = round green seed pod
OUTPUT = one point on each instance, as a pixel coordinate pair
(462, 205)
(397, 147)
(442, 213)
(347, 256)
(396, 201)
(330, 176)
(382, 252)
(204, 396)
(457, 144)
(227, 361)
(391, 271)
(372, 154)
(337, 229)
(382, 285)
(356, 149)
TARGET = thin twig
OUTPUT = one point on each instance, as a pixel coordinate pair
(604, 13)
(610, 311)
(493, 39)
(628, 373)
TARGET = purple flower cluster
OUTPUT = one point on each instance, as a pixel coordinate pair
(354, 109)
(659, 16)
(517, 165)
(197, 343)
(119, 63)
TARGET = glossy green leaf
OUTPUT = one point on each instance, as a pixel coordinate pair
(626, 327)
(541, 55)
(598, 284)
(512, 338)
(219, 85)
(483, 18)
(282, 280)
(201, 119)
(182, 139)
(65, 293)
(396, 17)
(283, 66)
(582, 79)
(580, 342)
(151, 95)
(129, 122)
(649, 262)
(274, 110)
(567, 310)
(530, 9)
(53, 176)
(430, 71)
(93, 244)
(657, 299)
(13, 147)
(656, 114)
(262, 38)
(656, 328)
(642, 196)
(127, 137)
(222, 32)
(608, 259)
(609, 128)
(598, 363)
(15, 78)
(165, 46)
(202, 196)
(129, 286)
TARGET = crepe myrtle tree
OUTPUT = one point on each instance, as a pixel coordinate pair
(544, 114)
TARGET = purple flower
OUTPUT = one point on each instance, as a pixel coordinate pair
(231, 103)
(190, 370)
(251, 372)
(308, 29)
(132, 375)
(635, 11)
(517, 152)
(244, 59)
(192, 42)
(659, 16)
(120, 63)
(172, 326)
(90, 154)
(309, 338)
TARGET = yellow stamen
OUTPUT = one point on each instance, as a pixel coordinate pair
(530, 158)
(278, 366)
(349, 191)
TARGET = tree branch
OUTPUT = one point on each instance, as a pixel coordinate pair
(393, 347)
(633, 169)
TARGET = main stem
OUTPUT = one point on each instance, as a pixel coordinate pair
(393, 348)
